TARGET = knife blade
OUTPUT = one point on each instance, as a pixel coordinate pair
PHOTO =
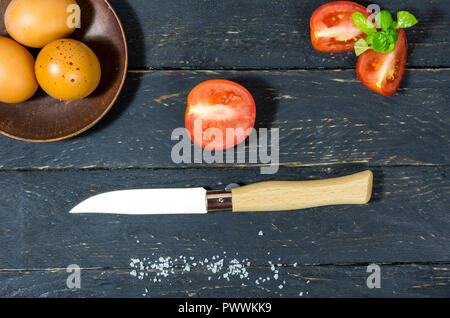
(264, 196)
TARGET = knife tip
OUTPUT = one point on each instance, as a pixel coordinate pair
(76, 210)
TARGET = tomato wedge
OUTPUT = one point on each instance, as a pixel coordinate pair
(332, 27)
(383, 73)
(220, 114)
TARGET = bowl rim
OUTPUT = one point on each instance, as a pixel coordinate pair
(113, 101)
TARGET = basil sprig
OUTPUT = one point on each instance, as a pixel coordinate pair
(383, 37)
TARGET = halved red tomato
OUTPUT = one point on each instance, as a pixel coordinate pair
(220, 114)
(383, 73)
(332, 27)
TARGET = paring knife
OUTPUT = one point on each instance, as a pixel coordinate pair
(264, 196)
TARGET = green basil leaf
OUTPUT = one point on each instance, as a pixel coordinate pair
(380, 42)
(363, 23)
(384, 20)
(405, 20)
(393, 35)
(361, 46)
(390, 49)
(369, 39)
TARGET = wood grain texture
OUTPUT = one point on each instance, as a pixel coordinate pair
(296, 195)
(415, 280)
(406, 221)
(264, 34)
(347, 124)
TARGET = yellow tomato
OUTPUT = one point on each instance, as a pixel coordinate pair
(68, 69)
(17, 79)
(35, 23)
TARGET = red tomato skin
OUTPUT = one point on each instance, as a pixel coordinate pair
(321, 21)
(227, 94)
(377, 72)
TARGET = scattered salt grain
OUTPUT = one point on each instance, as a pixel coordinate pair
(156, 269)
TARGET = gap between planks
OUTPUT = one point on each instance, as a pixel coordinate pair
(355, 164)
(119, 268)
(433, 68)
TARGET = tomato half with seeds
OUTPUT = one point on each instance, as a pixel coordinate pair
(220, 114)
(383, 73)
(332, 27)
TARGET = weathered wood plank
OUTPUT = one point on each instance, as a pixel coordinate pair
(323, 117)
(301, 281)
(407, 220)
(259, 34)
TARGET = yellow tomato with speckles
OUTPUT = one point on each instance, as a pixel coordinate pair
(17, 80)
(35, 23)
(68, 69)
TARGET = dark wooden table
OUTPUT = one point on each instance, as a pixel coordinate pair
(330, 125)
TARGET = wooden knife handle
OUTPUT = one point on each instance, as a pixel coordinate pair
(294, 195)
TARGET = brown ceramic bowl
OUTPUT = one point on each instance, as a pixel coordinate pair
(45, 119)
